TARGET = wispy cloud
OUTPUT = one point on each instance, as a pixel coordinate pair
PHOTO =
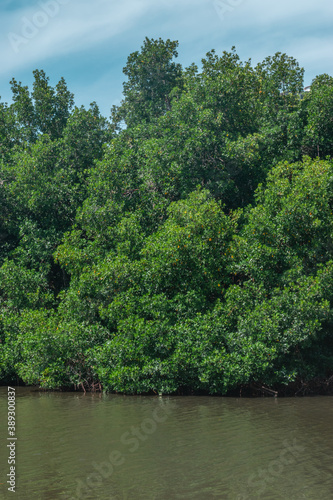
(257, 13)
(314, 53)
(259, 28)
(79, 35)
(51, 28)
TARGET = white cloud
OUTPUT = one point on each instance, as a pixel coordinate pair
(258, 28)
(35, 35)
(314, 53)
(70, 26)
(260, 13)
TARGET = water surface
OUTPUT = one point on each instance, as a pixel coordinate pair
(111, 447)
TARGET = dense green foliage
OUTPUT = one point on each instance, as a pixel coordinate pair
(187, 244)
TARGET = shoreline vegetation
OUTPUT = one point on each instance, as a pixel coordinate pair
(183, 246)
(298, 388)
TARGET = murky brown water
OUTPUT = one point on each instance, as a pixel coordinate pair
(106, 447)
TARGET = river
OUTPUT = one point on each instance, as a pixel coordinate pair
(113, 447)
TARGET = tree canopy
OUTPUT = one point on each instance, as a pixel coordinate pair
(185, 244)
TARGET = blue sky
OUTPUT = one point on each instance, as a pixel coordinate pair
(88, 41)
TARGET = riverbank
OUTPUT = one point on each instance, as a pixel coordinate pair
(317, 386)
